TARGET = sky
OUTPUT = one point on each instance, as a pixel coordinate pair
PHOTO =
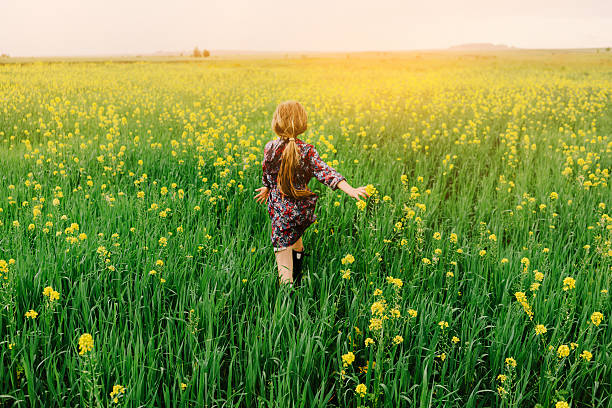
(103, 27)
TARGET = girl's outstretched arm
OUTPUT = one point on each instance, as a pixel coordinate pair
(330, 177)
(356, 193)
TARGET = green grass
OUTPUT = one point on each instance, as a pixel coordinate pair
(219, 324)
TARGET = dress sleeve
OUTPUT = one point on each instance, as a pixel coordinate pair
(324, 172)
(266, 177)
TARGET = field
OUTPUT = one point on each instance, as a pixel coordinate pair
(137, 270)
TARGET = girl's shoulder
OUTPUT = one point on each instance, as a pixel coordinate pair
(271, 144)
(307, 149)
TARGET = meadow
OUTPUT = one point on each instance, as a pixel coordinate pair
(137, 270)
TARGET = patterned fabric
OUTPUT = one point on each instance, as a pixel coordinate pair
(290, 217)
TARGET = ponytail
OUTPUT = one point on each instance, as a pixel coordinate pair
(288, 121)
(289, 164)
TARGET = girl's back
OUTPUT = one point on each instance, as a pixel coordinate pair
(310, 165)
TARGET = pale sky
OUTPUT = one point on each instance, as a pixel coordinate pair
(90, 27)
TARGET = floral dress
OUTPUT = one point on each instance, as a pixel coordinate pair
(291, 216)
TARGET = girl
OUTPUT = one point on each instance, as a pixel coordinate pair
(288, 165)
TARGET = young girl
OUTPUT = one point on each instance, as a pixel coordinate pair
(288, 165)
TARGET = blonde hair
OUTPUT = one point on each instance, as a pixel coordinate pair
(288, 121)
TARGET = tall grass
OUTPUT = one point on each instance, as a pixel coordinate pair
(481, 145)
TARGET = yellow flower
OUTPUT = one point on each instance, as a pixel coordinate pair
(50, 293)
(32, 314)
(377, 292)
(348, 358)
(361, 205)
(569, 283)
(398, 339)
(539, 276)
(554, 196)
(453, 238)
(412, 312)
(596, 318)
(361, 390)
(348, 259)
(437, 236)
(562, 404)
(378, 307)
(86, 343)
(346, 274)
(540, 329)
(443, 324)
(368, 341)
(510, 362)
(482, 252)
(586, 355)
(395, 281)
(375, 324)
(117, 390)
(183, 386)
(502, 377)
(563, 351)
(455, 339)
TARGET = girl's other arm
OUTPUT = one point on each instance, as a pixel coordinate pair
(266, 178)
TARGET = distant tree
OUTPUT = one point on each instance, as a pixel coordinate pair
(6, 55)
(608, 49)
(196, 52)
(206, 53)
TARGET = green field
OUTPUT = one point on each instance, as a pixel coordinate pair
(479, 270)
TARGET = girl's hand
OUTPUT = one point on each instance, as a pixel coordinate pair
(358, 193)
(262, 195)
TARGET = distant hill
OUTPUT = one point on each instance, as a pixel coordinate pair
(481, 47)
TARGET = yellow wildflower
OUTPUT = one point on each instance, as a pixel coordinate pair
(86, 343)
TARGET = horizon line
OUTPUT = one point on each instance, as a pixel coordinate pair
(502, 47)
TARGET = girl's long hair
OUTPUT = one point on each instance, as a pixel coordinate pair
(290, 120)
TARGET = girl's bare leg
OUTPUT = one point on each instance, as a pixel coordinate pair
(284, 261)
(299, 245)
